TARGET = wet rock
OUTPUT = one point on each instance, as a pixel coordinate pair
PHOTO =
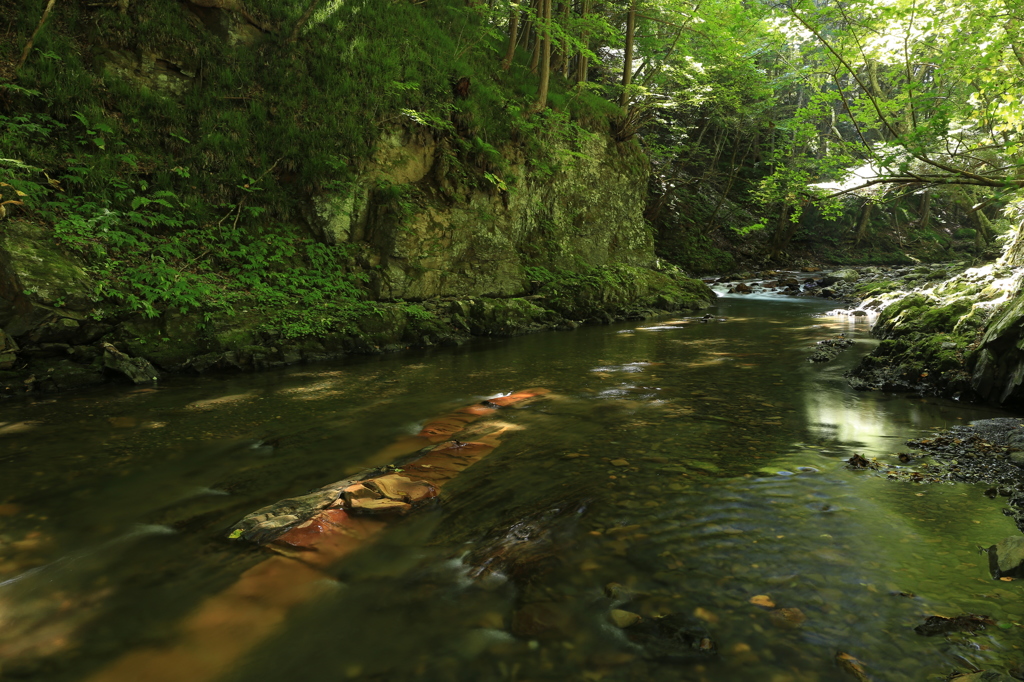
(741, 288)
(63, 375)
(787, 619)
(1006, 559)
(139, 370)
(938, 625)
(829, 349)
(989, 451)
(620, 594)
(847, 275)
(980, 676)
(674, 638)
(619, 462)
(852, 666)
(386, 494)
(541, 620)
(860, 462)
(624, 619)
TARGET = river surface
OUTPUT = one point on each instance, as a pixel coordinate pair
(729, 484)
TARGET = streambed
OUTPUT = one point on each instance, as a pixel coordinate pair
(679, 468)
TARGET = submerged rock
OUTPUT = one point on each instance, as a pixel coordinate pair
(828, 349)
(968, 622)
(624, 619)
(674, 638)
(1006, 559)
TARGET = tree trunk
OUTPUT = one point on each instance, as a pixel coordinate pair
(545, 59)
(565, 39)
(925, 211)
(984, 226)
(513, 38)
(583, 63)
(784, 231)
(627, 64)
(734, 170)
(32, 39)
(535, 55)
(862, 226)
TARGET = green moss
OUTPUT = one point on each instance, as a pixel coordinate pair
(875, 288)
(611, 290)
(919, 313)
(149, 175)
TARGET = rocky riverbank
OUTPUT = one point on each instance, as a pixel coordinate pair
(988, 452)
(50, 348)
(949, 330)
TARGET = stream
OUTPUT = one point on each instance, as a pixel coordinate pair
(679, 468)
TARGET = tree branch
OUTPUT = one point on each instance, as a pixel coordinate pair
(32, 39)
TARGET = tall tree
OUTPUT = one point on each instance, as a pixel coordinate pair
(545, 56)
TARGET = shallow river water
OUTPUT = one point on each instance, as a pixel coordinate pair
(728, 483)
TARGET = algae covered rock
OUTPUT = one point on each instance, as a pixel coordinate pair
(847, 275)
(1006, 559)
(606, 293)
(949, 339)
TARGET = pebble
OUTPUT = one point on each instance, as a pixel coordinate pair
(623, 619)
(787, 618)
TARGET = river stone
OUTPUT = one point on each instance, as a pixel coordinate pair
(848, 275)
(1007, 431)
(1006, 559)
(674, 638)
(982, 676)
(139, 370)
(624, 619)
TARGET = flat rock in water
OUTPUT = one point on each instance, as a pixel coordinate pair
(382, 506)
(981, 676)
(787, 619)
(675, 638)
(624, 619)
(402, 488)
(541, 619)
(967, 622)
(852, 666)
(1006, 559)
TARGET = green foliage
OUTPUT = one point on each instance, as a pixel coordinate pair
(188, 199)
(695, 253)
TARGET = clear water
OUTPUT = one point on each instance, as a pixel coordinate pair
(113, 507)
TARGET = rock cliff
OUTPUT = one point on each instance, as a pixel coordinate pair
(442, 263)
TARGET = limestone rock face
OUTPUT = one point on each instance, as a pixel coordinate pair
(424, 243)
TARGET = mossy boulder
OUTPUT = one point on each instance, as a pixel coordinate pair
(847, 275)
(620, 290)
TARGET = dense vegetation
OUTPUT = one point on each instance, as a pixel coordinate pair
(863, 130)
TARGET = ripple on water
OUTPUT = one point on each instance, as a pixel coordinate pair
(695, 467)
